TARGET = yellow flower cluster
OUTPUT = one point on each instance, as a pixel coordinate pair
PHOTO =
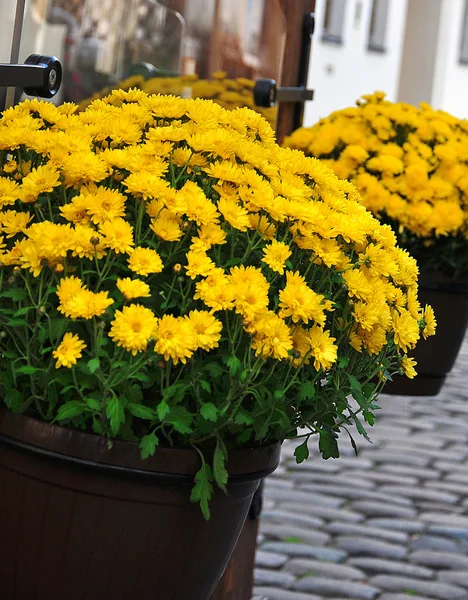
(409, 163)
(228, 93)
(183, 204)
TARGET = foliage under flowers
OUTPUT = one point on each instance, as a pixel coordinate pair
(229, 93)
(170, 275)
(410, 165)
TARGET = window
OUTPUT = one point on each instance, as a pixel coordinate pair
(333, 21)
(464, 37)
(378, 25)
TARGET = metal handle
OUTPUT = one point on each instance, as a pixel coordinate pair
(266, 91)
(39, 76)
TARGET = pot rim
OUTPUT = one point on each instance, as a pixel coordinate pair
(91, 451)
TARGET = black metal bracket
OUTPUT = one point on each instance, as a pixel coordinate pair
(266, 91)
(39, 76)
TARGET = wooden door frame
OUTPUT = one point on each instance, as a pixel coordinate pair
(294, 11)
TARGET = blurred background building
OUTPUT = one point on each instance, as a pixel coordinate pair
(414, 50)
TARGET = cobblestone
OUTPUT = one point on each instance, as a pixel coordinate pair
(391, 524)
(273, 578)
(381, 566)
(338, 527)
(270, 560)
(299, 534)
(442, 560)
(266, 593)
(305, 551)
(434, 542)
(332, 587)
(373, 509)
(365, 546)
(302, 567)
(457, 577)
(398, 525)
(441, 591)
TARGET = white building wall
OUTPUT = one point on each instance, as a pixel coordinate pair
(340, 74)
(420, 50)
(450, 86)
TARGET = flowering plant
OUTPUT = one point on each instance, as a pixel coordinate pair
(170, 275)
(410, 165)
(227, 92)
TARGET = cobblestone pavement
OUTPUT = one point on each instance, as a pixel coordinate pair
(391, 524)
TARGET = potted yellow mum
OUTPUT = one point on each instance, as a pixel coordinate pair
(178, 295)
(410, 165)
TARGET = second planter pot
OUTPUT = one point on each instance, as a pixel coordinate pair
(436, 355)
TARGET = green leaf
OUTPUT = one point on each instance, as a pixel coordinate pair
(162, 410)
(93, 404)
(177, 392)
(141, 411)
(93, 365)
(307, 391)
(214, 370)
(205, 385)
(71, 409)
(180, 419)
(302, 452)
(26, 370)
(209, 412)
(13, 399)
(245, 435)
(22, 311)
(278, 395)
(243, 418)
(115, 413)
(17, 294)
(16, 323)
(202, 491)
(148, 445)
(219, 466)
(234, 365)
(328, 444)
(343, 362)
(97, 426)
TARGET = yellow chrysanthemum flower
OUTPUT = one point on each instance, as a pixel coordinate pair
(323, 348)
(406, 330)
(300, 302)
(133, 327)
(85, 305)
(272, 337)
(69, 351)
(144, 261)
(207, 329)
(117, 235)
(198, 263)
(408, 364)
(275, 256)
(430, 323)
(176, 339)
(133, 288)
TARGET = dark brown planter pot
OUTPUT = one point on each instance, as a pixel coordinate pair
(436, 355)
(80, 521)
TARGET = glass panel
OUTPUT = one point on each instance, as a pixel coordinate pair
(200, 48)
